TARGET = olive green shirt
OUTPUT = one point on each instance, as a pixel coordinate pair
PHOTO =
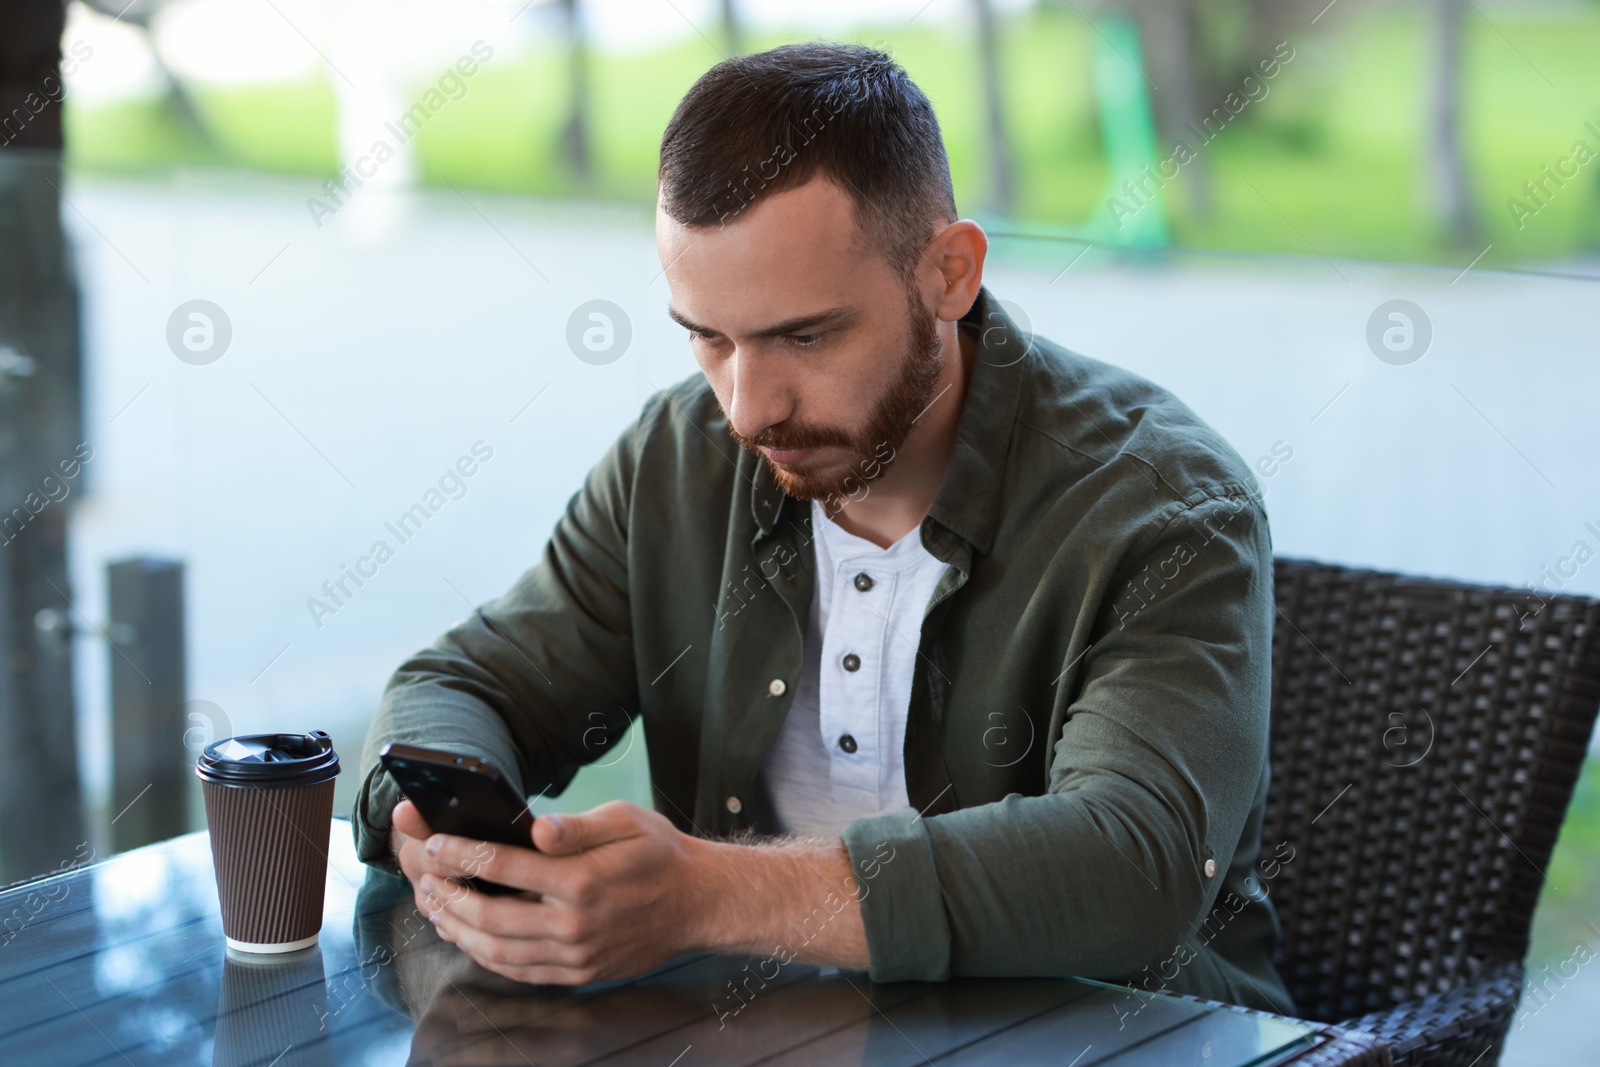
(1086, 743)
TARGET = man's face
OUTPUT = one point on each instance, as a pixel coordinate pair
(821, 359)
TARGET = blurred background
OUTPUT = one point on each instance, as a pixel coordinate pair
(272, 267)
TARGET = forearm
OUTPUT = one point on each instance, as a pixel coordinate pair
(790, 901)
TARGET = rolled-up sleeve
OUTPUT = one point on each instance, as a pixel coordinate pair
(1159, 741)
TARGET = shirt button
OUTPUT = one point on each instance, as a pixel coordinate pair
(847, 743)
(863, 581)
(777, 687)
(1211, 868)
(734, 805)
(852, 662)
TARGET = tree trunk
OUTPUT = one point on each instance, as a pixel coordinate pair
(732, 27)
(1002, 183)
(575, 133)
(1449, 191)
(1175, 64)
(40, 424)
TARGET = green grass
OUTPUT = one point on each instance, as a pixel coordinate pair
(1330, 162)
(1569, 909)
(1337, 150)
(283, 127)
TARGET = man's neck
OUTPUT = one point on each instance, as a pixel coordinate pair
(896, 502)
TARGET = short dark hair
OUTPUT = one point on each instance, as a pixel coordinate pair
(759, 124)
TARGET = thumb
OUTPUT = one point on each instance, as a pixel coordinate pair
(564, 834)
(408, 820)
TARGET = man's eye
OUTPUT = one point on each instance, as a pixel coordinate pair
(804, 340)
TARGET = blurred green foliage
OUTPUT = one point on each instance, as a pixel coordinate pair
(1330, 161)
(1569, 909)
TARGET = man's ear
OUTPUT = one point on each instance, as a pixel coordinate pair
(956, 254)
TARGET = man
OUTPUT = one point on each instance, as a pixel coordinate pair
(951, 647)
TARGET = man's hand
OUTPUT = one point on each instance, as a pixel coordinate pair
(614, 894)
(615, 891)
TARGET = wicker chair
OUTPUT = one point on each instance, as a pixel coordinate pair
(1426, 739)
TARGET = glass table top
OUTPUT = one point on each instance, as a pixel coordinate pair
(123, 962)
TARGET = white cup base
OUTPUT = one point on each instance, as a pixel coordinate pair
(272, 949)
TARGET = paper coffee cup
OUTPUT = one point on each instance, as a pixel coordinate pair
(269, 802)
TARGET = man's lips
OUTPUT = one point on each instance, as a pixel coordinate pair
(787, 455)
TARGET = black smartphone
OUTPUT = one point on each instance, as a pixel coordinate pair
(462, 795)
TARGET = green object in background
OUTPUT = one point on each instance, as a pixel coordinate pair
(1124, 214)
(1128, 132)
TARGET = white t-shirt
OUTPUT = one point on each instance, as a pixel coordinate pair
(841, 752)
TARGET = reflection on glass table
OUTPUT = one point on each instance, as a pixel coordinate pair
(123, 962)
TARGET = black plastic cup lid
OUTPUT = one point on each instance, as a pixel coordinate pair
(269, 759)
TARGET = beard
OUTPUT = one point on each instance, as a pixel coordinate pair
(893, 417)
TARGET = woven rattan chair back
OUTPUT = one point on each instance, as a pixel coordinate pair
(1426, 738)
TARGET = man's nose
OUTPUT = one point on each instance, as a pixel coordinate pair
(758, 400)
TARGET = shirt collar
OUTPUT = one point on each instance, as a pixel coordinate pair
(968, 501)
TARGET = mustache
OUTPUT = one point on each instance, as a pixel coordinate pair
(785, 436)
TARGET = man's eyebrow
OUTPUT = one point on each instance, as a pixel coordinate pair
(799, 324)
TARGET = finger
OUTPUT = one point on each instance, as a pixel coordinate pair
(504, 916)
(497, 952)
(463, 857)
(546, 974)
(466, 904)
(408, 820)
(429, 903)
(413, 861)
(449, 856)
(413, 858)
(433, 894)
(559, 835)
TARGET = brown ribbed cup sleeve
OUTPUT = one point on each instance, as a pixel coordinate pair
(270, 850)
